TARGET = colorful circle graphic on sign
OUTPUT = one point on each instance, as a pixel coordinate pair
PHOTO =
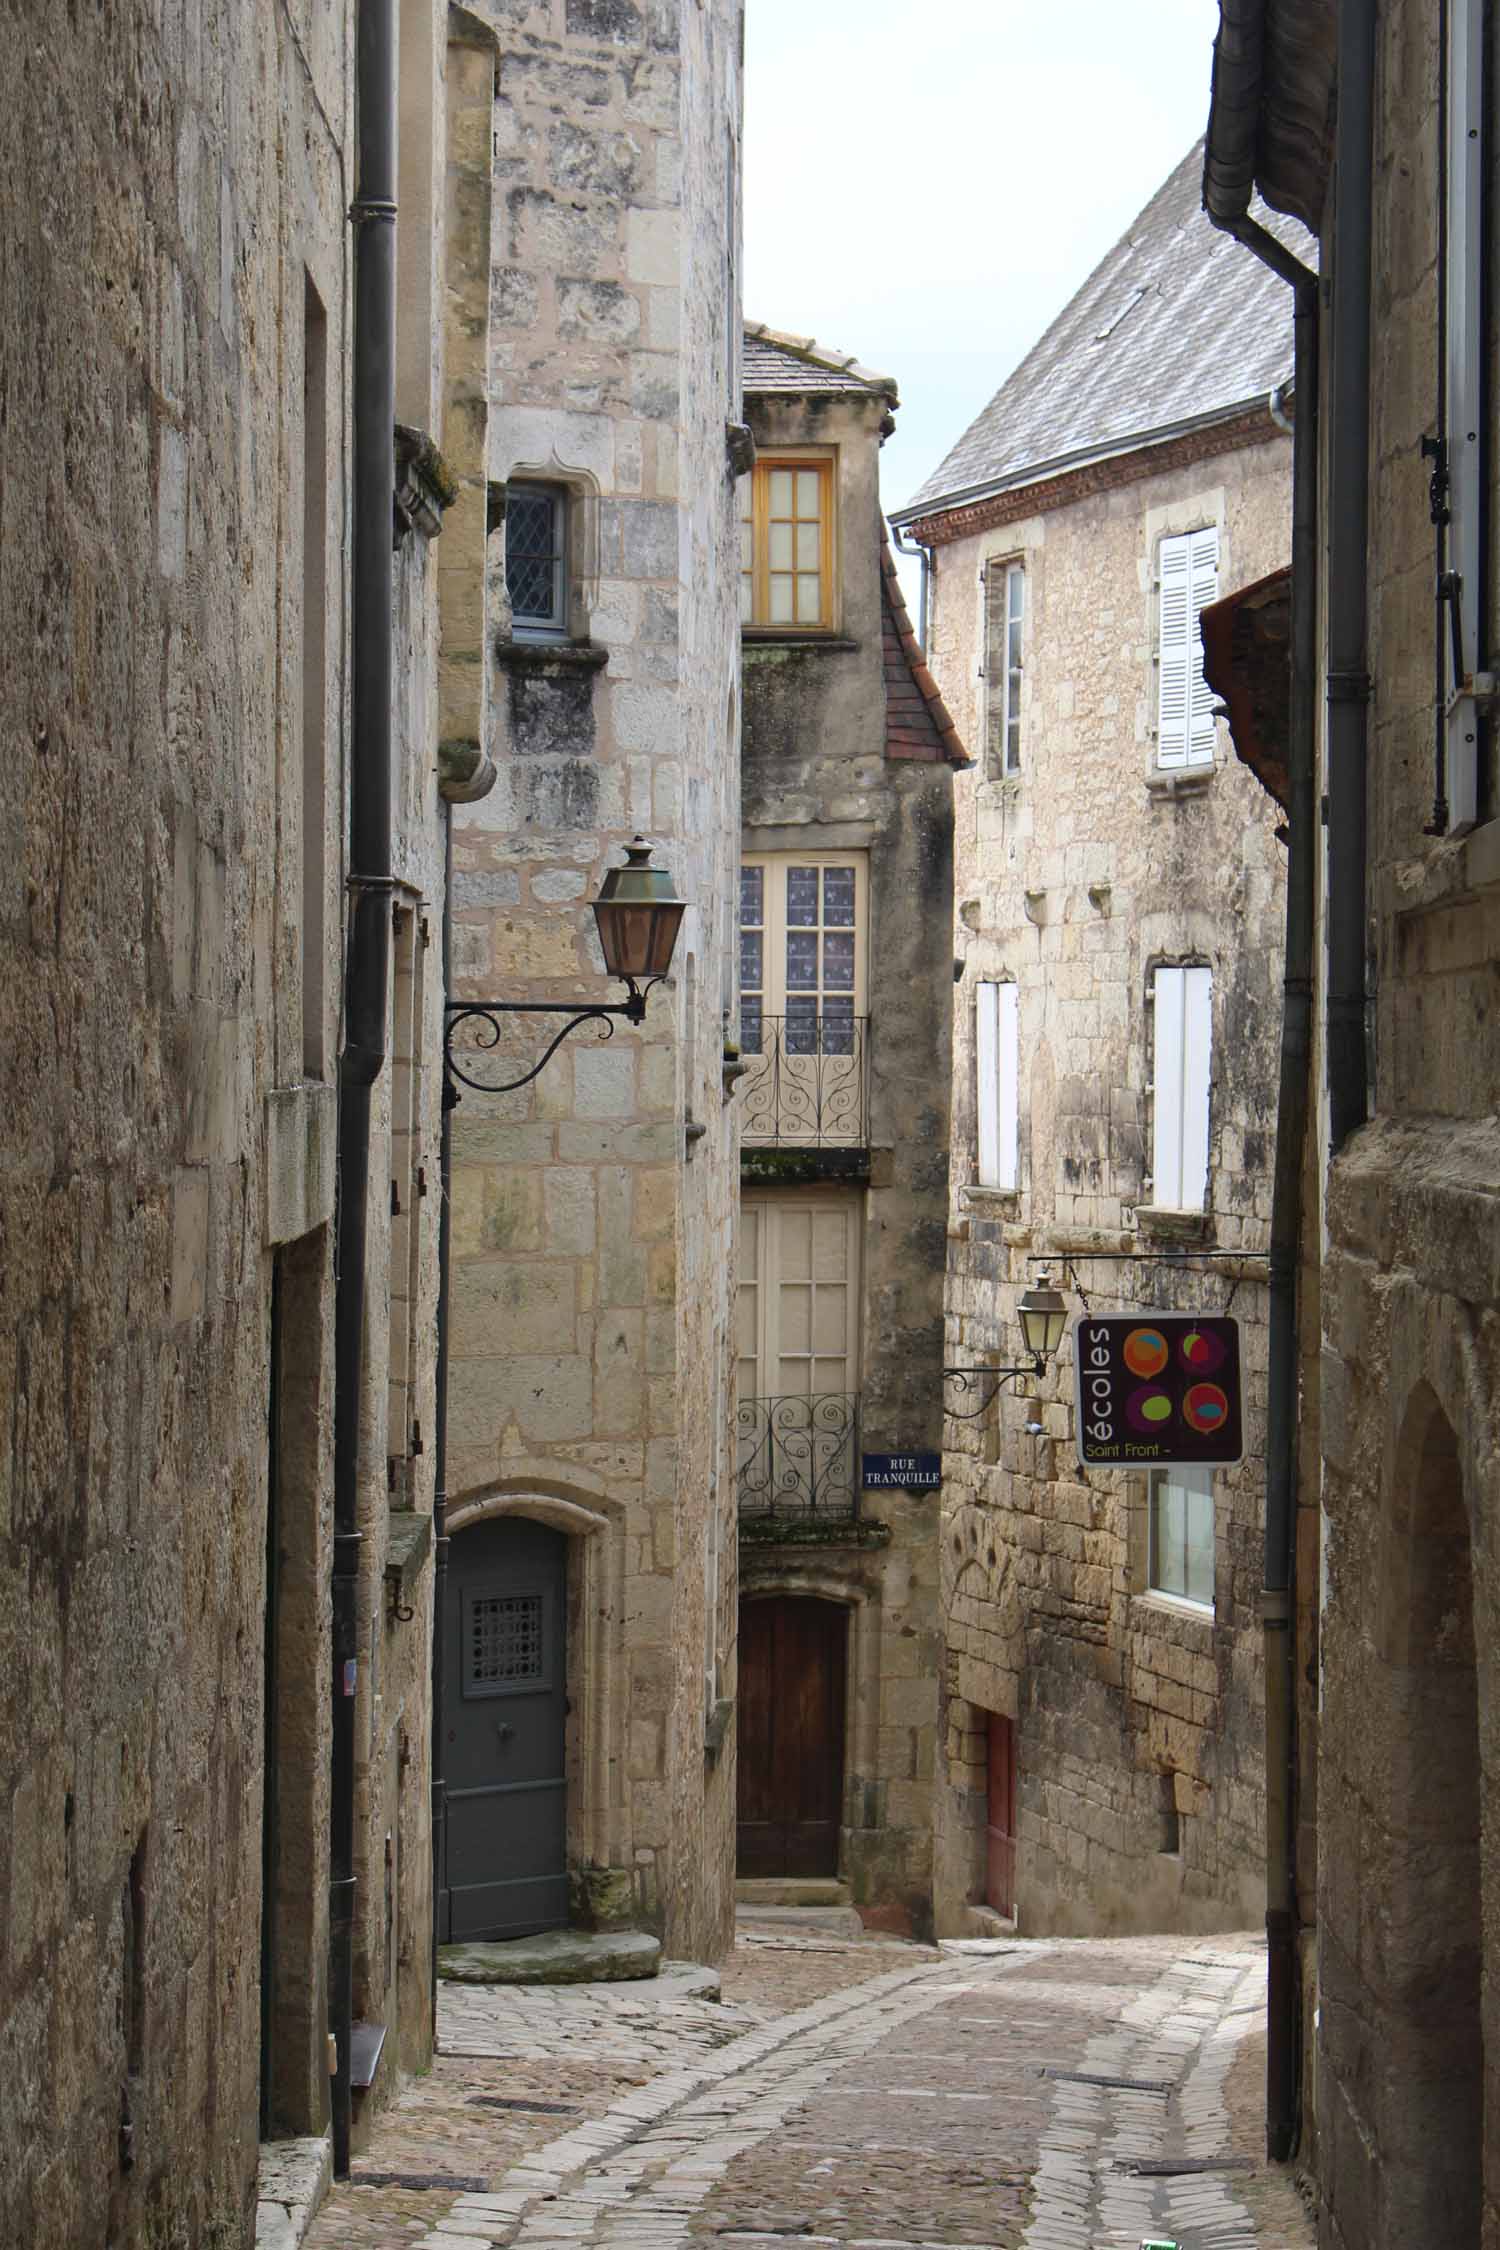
(1145, 1351)
(1201, 1351)
(1148, 1410)
(1205, 1409)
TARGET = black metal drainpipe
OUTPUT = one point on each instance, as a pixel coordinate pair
(1348, 571)
(1293, 1102)
(367, 963)
(440, 1450)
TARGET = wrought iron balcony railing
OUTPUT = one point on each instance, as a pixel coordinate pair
(799, 1457)
(806, 1082)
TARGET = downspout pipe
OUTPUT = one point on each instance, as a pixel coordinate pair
(1348, 571)
(905, 546)
(367, 960)
(440, 1453)
(1228, 186)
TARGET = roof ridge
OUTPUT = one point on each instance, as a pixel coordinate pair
(827, 356)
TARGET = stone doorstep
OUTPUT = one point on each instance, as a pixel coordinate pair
(554, 1957)
(292, 2179)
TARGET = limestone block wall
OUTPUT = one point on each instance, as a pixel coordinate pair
(817, 778)
(592, 1238)
(1406, 1781)
(174, 186)
(1137, 1721)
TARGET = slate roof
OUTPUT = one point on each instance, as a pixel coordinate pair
(918, 723)
(1177, 326)
(776, 362)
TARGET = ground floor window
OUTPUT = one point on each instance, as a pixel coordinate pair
(1182, 1535)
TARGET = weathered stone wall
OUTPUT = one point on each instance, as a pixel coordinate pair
(171, 177)
(1075, 879)
(1408, 1767)
(592, 1239)
(817, 778)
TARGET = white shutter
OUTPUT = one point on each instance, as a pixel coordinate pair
(1179, 1154)
(1185, 702)
(1173, 655)
(1204, 588)
(1166, 1138)
(1008, 1081)
(1197, 1026)
(987, 1049)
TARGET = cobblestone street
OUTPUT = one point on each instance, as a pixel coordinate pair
(1042, 2095)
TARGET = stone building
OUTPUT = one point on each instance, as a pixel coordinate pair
(221, 715)
(590, 1491)
(845, 907)
(1376, 126)
(1118, 937)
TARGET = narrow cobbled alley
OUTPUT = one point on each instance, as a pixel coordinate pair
(1015, 2095)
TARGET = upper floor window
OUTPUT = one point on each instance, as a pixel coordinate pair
(1181, 1510)
(802, 949)
(786, 545)
(998, 1055)
(1189, 581)
(1004, 620)
(1183, 1011)
(536, 558)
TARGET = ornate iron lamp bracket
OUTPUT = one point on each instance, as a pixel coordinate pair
(486, 1014)
(966, 1379)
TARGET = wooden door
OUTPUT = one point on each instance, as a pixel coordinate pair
(1000, 1818)
(505, 1704)
(791, 1735)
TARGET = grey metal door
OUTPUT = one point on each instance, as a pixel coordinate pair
(505, 1706)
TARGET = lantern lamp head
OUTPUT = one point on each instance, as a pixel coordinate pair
(638, 917)
(1043, 1315)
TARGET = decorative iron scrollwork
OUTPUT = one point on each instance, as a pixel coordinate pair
(799, 1457)
(806, 1081)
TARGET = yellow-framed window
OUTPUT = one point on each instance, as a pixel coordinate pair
(786, 545)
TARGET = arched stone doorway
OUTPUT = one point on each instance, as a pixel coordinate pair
(1421, 1875)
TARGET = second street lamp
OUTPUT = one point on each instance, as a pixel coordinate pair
(639, 916)
(1043, 1315)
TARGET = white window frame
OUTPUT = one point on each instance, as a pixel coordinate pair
(1181, 1086)
(554, 626)
(1187, 579)
(761, 1297)
(997, 1051)
(773, 926)
(1002, 674)
(1196, 1484)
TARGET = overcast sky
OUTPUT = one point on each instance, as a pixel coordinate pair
(927, 182)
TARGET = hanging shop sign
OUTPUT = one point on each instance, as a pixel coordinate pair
(1158, 1390)
(909, 1472)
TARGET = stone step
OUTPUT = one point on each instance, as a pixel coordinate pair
(554, 1957)
(788, 1891)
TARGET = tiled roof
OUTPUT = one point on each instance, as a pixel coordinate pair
(1178, 325)
(917, 720)
(774, 362)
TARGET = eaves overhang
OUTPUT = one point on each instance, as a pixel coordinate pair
(1080, 457)
(1270, 119)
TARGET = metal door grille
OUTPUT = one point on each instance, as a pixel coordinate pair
(505, 1639)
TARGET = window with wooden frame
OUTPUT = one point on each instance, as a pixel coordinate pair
(1180, 1081)
(803, 924)
(997, 1027)
(1004, 631)
(786, 545)
(1187, 581)
(1180, 1530)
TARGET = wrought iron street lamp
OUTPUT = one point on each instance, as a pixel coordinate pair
(1043, 1315)
(638, 917)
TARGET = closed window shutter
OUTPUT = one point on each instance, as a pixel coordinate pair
(1189, 581)
(987, 1049)
(1179, 1155)
(995, 655)
(1204, 563)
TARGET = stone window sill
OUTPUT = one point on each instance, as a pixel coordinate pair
(1005, 1200)
(552, 656)
(1178, 781)
(1175, 1606)
(1166, 1225)
(764, 637)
